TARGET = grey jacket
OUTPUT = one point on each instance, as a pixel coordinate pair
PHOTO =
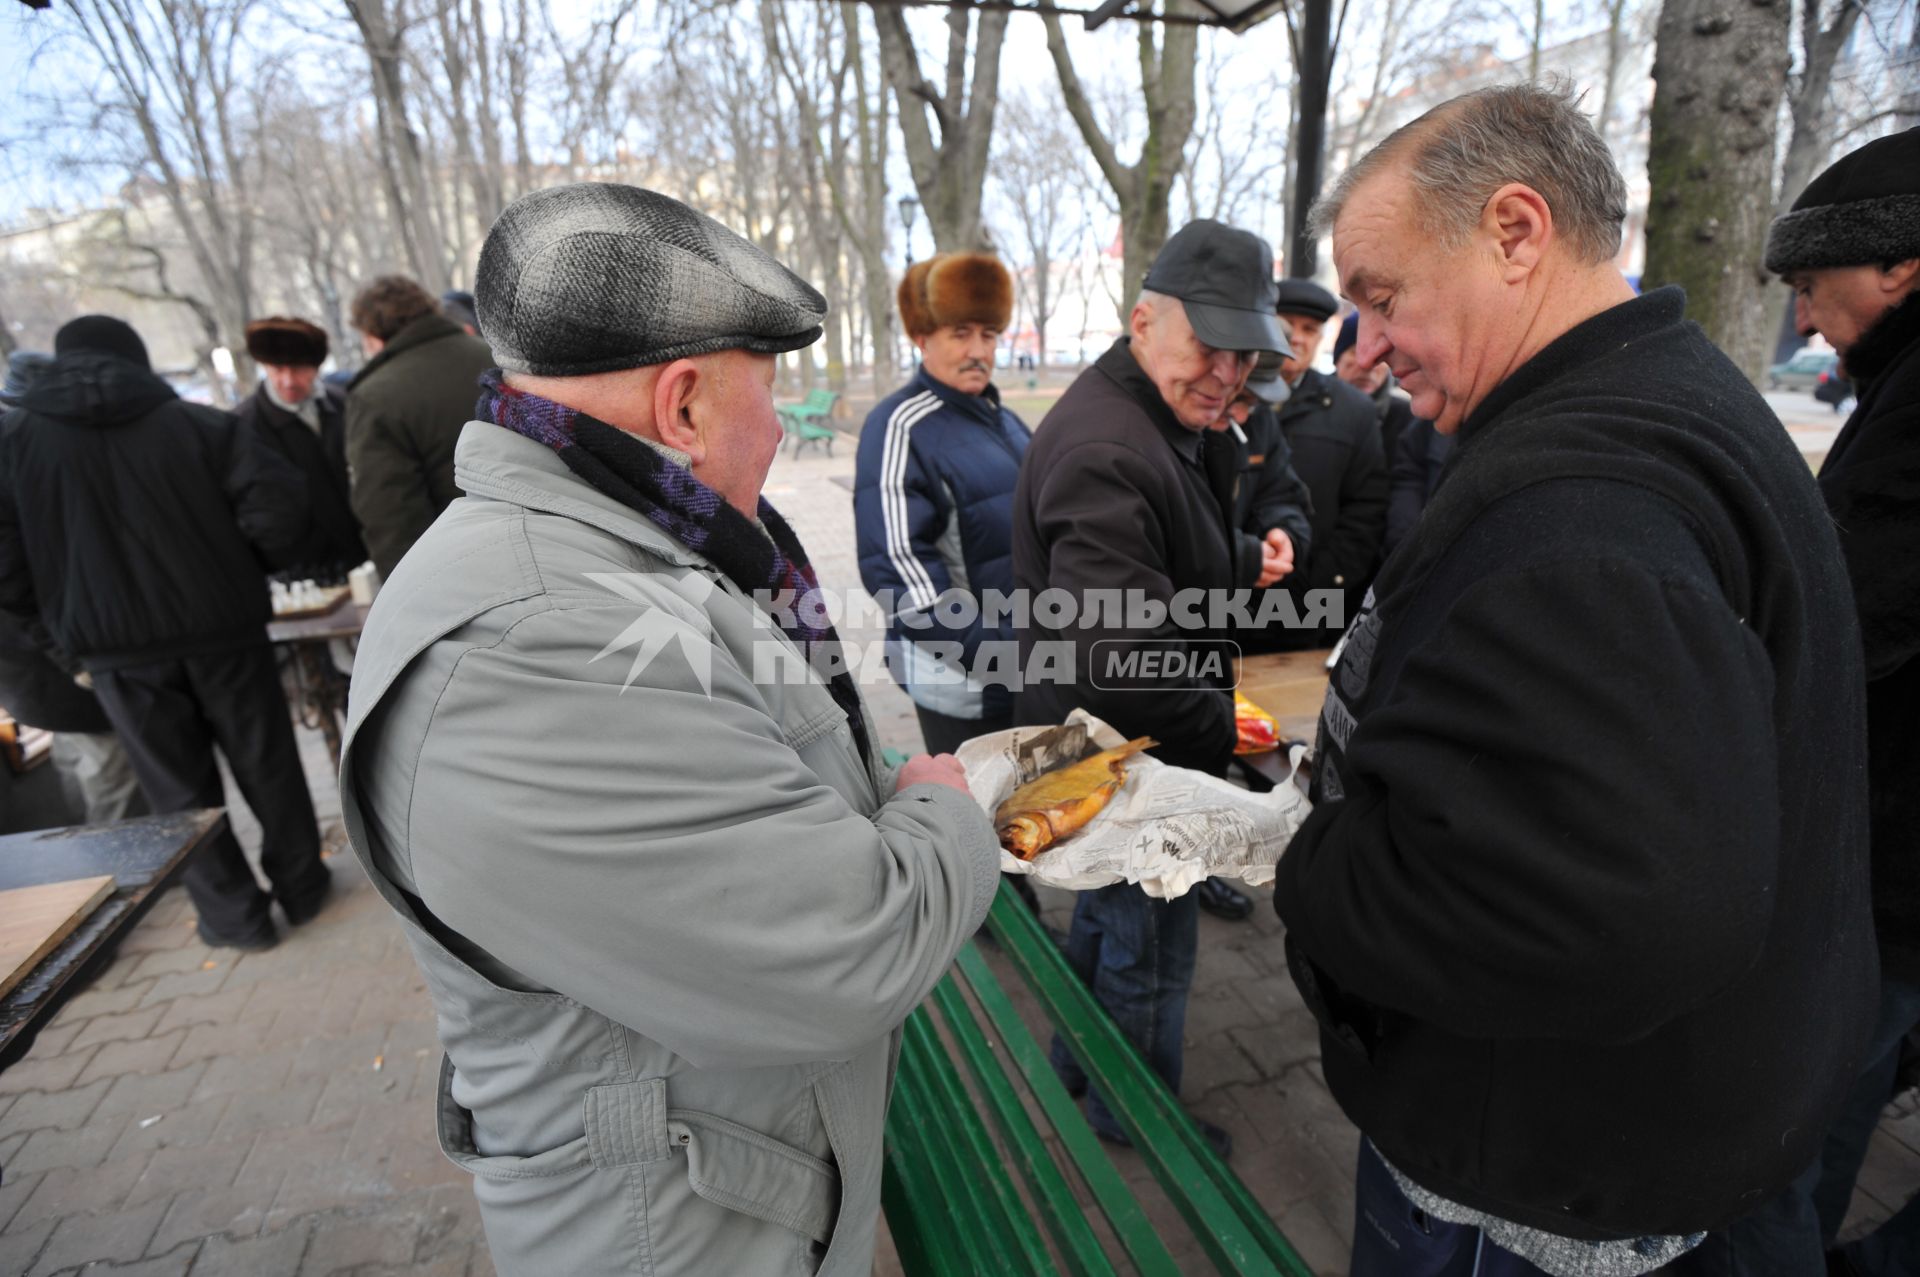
(670, 921)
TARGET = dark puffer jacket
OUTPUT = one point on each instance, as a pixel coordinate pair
(1871, 482)
(134, 525)
(933, 515)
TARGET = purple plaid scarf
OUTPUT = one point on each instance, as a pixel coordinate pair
(642, 479)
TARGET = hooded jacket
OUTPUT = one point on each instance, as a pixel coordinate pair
(135, 526)
(933, 518)
(671, 918)
(1871, 482)
(1582, 904)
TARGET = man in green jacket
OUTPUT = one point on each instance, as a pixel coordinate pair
(604, 762)
(404, 413)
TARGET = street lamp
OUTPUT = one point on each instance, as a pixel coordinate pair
(909, 209)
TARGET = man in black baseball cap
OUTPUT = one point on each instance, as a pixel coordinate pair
(1128, 486)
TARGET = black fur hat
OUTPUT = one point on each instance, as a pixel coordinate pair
(1863, 211)
(283, 341)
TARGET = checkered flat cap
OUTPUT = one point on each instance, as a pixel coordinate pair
(595, 276)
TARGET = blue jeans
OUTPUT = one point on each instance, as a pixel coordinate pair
(1789, 1235)
(1394, 1238)
(1136, 954)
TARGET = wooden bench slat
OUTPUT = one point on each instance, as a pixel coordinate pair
(1236, 1232)
(1080, 1249)
(1116, 1200)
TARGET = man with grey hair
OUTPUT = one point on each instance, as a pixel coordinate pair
(1582, 904)
(617, 782)
(1128, 486)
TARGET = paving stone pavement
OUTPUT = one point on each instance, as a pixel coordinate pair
(197, 1112)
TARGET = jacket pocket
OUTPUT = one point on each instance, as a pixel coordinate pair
(756, 1175)
(454, 1126)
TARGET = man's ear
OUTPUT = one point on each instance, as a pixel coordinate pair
(1521, 225)
(1899, 278)
(674, 393)
(1139, 321)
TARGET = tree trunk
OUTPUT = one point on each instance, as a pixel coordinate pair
(1719, 74)
(400, 145)
(949, 173)
(1144, 189)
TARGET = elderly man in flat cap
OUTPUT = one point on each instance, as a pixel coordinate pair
(606, 764)
(1129, 486)
(303, 419)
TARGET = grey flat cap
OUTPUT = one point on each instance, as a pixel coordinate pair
(595, 276)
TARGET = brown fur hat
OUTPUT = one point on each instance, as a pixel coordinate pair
(283, 340)
(956, 288)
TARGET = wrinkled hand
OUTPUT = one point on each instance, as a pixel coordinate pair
(84, 679)
(933, 769)
(1276, 557)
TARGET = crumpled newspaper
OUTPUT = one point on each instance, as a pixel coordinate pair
(1168, 828)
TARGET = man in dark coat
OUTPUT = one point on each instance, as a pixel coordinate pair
(1376, 382)
(1128, 487)
(1582, 905)
(1333, 438)
(405, 410)
(304, 420)
(1413, 473)
(1850, 250)
(133, 528)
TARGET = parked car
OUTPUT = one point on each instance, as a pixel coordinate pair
(1803, 372)
(1833, 389)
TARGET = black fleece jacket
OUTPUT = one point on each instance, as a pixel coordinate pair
(1116, 495)
(1871, 481)
(134, 526)
(1582, 905)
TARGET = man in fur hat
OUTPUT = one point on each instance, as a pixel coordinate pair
(933, 501)
(1850, 250)
(298, 416)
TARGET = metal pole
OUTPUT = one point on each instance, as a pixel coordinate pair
(1310, 133)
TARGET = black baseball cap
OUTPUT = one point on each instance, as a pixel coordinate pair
(1225, 277)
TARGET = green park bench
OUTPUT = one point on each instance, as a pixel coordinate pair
(960, 1203)
(806, 421)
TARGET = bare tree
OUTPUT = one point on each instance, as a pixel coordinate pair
(1144, 188)
(950, 173)
(176, 74)
(1719, 74)
(383, 30)
(1036, 171)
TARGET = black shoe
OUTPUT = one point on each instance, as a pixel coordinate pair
(1217, 1139)
(303, 909)
(259, 940)
(1222, 901)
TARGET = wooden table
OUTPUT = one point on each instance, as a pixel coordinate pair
(143, 855)
(1289, 686)
(320, 689)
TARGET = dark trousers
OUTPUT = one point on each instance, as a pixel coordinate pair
(1788, 1235)
(171, 715)
(943, 733)
(1136, 954)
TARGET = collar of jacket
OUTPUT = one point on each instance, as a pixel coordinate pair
(92, 388)
(983, 407)
(425, 329)
(324, 403)
(494, 462)
(1881, 346)
(1311, 395)
(1585, 342)
(1120, 367)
